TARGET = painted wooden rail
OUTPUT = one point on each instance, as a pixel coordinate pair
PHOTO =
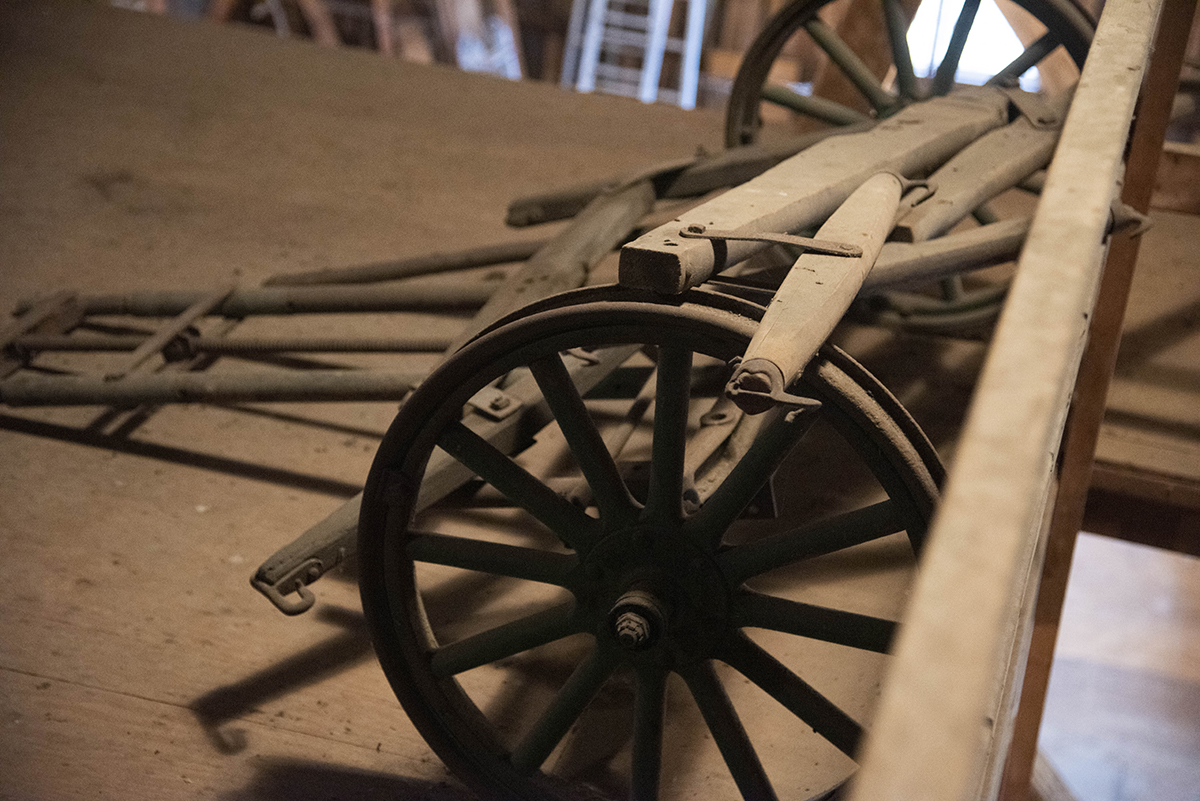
(943, 725)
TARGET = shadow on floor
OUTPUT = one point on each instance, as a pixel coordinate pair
(219, 707)
(168, 453)
(300, 780)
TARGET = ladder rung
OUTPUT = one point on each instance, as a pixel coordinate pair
(622, 32)
(171, 329)
(627, 89)
(624, 6)
(621, 19)
(623, 38)
(617, 88)
(614, 72)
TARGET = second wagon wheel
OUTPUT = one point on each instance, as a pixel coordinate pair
(950, 307)
(602, 610)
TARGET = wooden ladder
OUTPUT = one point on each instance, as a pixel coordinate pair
(605, 33)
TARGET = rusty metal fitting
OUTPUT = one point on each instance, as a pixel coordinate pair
(637, 620)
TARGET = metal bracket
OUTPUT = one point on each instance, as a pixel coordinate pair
(1041, 113)
(494, 404)
(295, 581)
(758, 385)
(911, 199)
(812, 245)
(1125, 219)
(794, 403)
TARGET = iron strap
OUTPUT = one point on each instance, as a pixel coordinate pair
(812, 245)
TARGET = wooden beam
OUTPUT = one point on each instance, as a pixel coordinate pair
(1087, 409)
(1119, 514)
(1177, 187)
(942, 725)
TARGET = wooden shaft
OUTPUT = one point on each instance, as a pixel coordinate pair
(942, 722)
(985, 168)
(805, 189)
(816, 293)
(1087, 409)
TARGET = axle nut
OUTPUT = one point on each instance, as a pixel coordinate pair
(637, 620)
(633, 630)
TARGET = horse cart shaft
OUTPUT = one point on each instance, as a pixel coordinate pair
(805, 189)
(818, 179)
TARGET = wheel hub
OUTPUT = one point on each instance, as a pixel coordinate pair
(637, 619)
(652, 590)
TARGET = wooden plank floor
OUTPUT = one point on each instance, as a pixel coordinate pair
(1123, 710)
(143, 153)
(139, 153)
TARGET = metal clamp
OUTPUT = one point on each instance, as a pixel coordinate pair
(296, 581)
(494, 404)
(1125, 219)
(758, 385)
(697, 231)
(1041, 113)
(907, 185)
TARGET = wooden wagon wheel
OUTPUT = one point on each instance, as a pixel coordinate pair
(951, 307)
(548, 649)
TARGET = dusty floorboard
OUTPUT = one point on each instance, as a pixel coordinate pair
(1123, 710)
(141, 153)
(138, 153)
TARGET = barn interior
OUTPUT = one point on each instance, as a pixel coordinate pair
(215, 149)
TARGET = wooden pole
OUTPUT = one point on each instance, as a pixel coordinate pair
(945, 716)
(1087, 408)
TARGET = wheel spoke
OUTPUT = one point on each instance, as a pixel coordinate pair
(733, 434)
(815, 622)
(851, 65)
(564, 710)
(817, 107)
(748, 477)
(984, 214)
(727, 731)
(615, 439)
(647, 733)
(943, 81)
(897, 29)
(518, 485)
(1033, 54)
(809, 541)
(774, 678)
(599, 468)
(664, 502)
(503, 641)
(496, 558)
(952, 288)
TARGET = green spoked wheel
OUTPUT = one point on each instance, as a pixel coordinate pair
(954, 306)
(596, 610)
(1064, 22)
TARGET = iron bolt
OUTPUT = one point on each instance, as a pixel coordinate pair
(633, 630)
(637, 619)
